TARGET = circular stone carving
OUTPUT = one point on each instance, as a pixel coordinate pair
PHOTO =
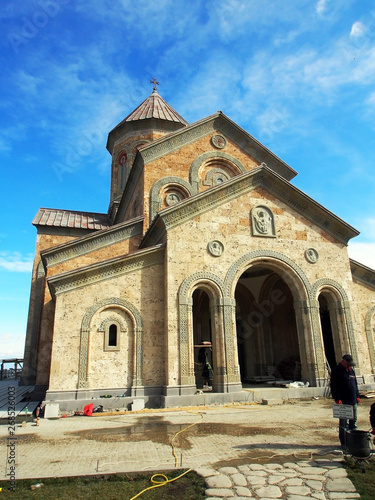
(219, 141)
(172, 199)
(311, 255)
(215, 248)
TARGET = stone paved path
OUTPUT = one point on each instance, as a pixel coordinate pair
(319, 479)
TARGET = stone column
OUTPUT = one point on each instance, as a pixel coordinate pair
(230, 373)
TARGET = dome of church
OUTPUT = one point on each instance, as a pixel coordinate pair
(155, 107)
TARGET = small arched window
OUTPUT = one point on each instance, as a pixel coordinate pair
(112, 336)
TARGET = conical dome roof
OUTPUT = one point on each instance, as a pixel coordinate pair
(155, 107)
(154, 112)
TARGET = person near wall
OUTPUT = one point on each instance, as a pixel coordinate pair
(345, 391)
(207, 371)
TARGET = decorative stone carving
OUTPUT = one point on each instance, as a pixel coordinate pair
(172, 199)
(218, 141)
(311, 255)
(215, 248)
(85, 333)
(262, 221)
(215, 176)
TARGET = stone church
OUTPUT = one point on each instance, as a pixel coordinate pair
(206, 244)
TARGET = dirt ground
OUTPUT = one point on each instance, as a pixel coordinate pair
(195, 437)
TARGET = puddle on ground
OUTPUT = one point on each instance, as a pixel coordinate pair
(158, 430)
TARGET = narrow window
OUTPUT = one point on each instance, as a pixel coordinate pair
(112, 336)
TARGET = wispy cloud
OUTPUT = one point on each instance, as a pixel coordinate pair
(358, 29)
(363, 253)
(16, 262)
(321, 6)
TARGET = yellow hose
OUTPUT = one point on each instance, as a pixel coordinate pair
(166, 480)
(157, 483)
(179, 432)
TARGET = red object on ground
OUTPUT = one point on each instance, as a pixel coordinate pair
(87, 411)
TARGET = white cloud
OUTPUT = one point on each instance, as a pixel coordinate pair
(15, 262)
(321, 6)
(364, 253)
(12, 346)
(358, 29)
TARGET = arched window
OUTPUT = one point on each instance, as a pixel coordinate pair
(112, 331)
(112, 336)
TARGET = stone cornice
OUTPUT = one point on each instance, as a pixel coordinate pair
(261, 176)
(92, 242)
(362, 273)
(95, 273)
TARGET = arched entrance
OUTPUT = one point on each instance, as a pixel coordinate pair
(267, 337)
(202, 337)
(326, 326)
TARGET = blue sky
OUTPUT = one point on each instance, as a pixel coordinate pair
(299, 76)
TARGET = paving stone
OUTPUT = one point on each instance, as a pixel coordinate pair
(335, 473)
(314, 478)
(228, 470)
(220, 493)
(297, 490)
(296, 497)
(320, 495)
(273, 466)
(343, 496)
(256, 480)
(314, 485)
(239, 479)
(256, 467)
(269, 492)
(219, 481)
(257, 473)
(206, 472)
(243, 468)
(339, 485)
(243, 492)
(315, 471)
(275, 478)
(292, 481)
(290, 465)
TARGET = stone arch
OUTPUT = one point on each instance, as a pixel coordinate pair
(342, 324)
(282, 263)
(225, 158)
(370, 333)
(136, 319)
(213, 286)
(155, 199)
(307, 322)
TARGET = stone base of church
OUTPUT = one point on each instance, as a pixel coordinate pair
(183, 396)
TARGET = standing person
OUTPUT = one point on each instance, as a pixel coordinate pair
(207, 371)
(345, 391)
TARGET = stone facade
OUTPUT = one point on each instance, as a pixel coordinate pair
(207, 241)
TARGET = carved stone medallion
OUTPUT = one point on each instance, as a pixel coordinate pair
(311, 255)
(218, 141)
(215, 248)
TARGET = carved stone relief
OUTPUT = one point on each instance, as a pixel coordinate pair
(262, 221)
(311, 255)
(215, 248)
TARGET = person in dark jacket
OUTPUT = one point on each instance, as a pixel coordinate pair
(345, 391)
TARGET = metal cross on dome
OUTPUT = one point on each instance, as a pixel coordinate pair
(154, 82)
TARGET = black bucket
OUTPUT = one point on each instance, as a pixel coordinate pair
(358, 443)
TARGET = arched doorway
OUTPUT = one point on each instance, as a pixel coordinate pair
(202, 336)
(267, 336)
(326, 326)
